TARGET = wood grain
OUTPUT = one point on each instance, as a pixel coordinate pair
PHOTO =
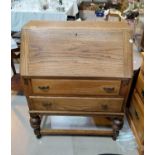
(134, 129)
(72, 24)
(140, 86)
(76, 87)
(76, 69)
(76, 132)
(142, 66)
(92, 51)
(76, 104)
(136, 111)
(78, 113)
(24, 53)
(137, 116)
(128, 54)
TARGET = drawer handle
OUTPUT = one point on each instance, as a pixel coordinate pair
(43, 87)
(142, 93)
(47, 104)
(104, 107)
(136, 114)
(109, 90)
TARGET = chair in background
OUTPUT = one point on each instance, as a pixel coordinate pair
(15, 55)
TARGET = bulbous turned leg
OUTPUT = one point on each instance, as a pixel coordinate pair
(117, 125)
(35, 124)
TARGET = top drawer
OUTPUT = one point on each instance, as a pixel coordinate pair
(75, 87)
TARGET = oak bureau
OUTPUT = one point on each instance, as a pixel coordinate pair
(76, 69)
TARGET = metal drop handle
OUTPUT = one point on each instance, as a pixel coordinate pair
(142, 93)
(104, 107)
(136, 114)
(47, 104)
(43, 87)
(108, 89)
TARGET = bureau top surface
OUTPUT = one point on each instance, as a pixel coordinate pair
(76, 49)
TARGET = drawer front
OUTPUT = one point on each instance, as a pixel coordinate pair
(142, 73)
(137, 116)
(142, 68)
(76, 87)
(140, 87)
(76, 104)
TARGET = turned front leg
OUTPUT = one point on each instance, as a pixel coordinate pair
(35, 124)
(117, 125)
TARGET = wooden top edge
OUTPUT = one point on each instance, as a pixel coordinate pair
(36, 24)
(74, 77)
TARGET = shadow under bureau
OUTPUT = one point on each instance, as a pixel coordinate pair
(76, 69)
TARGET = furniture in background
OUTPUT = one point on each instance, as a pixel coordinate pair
(14, 47)
(136, 110)
(87, 11)
(114, 13)
(15, 54)
(91, 76)
(25, 11)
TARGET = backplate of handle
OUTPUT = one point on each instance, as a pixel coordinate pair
(109, 89)
(104, 107)
(43, 87)
(136, 114)
(47, 104)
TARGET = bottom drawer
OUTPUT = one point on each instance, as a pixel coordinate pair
(76, 104)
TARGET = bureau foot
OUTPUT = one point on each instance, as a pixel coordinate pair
(38, 136)
(117, 125)
(35, 124)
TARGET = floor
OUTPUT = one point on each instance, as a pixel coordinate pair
(24, 141)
